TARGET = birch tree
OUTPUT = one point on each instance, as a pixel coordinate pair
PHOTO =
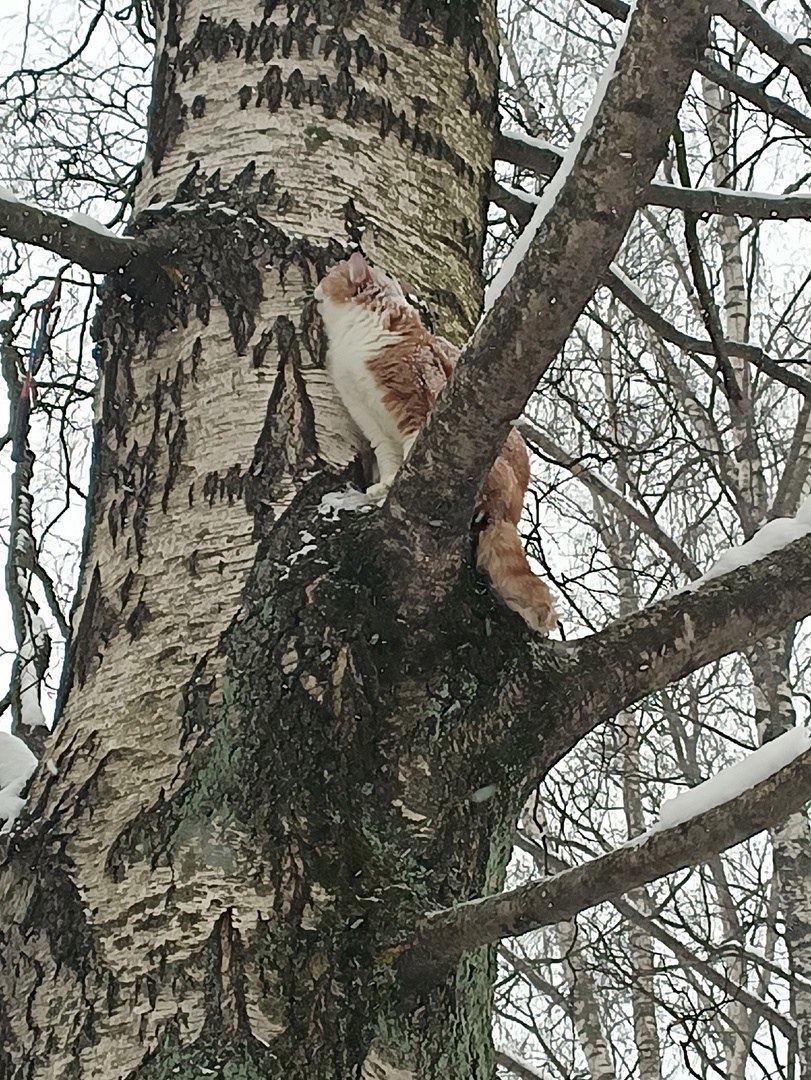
(269, 833)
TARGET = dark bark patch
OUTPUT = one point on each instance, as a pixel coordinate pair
(96, 627)
(165, 121)
(355, 104)
(176, 448)
(427, 22)
(219, 486)
(211, 41)
(57, 910)
(198, 107)
(289, 422)
(137, 620)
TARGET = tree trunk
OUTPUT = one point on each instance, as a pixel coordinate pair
(257, 780)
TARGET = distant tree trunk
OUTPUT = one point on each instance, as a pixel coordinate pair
(620, 543)
(242, 808)
(768, 661)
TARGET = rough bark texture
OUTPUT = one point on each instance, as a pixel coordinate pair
(244, 809)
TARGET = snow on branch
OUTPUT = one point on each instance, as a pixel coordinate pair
(79, 238)
(646, 651)
(544, 159)
(764, 587)
(715, 823)
(17, 763)
(616, 155)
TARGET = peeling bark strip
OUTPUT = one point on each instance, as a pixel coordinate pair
(506, 357)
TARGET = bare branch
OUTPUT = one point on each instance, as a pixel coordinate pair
(650, 649)
(744, 18)
(730, 203)
(521, 209)
(755, 95)
(683, 953)
(445, 935)
(96, 251)
(610, 495)
(748, 20)
(507, 356)
(624, 292)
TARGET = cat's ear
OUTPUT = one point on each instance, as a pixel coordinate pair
(358, 269)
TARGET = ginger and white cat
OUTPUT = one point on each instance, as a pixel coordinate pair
(389, 370)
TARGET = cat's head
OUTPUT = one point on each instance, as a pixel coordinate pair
(354, 280)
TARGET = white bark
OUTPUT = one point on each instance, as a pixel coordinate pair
(171, 541)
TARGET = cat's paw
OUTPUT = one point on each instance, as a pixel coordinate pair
(378, 492)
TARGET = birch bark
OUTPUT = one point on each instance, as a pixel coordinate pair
(201, 896)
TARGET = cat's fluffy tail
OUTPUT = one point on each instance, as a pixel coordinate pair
(501, 554)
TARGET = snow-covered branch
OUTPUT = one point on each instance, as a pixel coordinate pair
(719, 822)
(685, 954)
(80, 238)
(752, 592)
(557, 266)
(544, 159)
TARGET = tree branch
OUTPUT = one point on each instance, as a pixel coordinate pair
(445, 935)
(685, 955)
(748, 21)
(636, 656)
(600, 487)
(96, 251)
(741, 15)
(521, 209)
(755, 95)
(545, 160)
(506, 357)
(624, 291)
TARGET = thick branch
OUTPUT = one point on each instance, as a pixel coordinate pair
(686, 955)
(96, 251)
(445, 935)
(748, 20)
(555, 693)
(638, 655)
(500, 368)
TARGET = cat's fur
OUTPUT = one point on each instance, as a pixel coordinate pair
(389, 369)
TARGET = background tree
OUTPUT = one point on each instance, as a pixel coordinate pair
(246, 811)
